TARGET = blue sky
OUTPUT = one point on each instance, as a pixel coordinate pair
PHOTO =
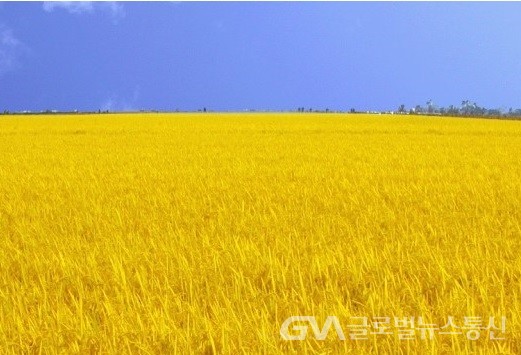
(277, 56)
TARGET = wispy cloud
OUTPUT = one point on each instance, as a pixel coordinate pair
(116, 9)
(73, 7)
(114, 103)
(112, 8)
(10, 50)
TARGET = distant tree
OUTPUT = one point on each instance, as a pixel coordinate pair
(430, 106)
(352, 110)
(204, 109)
(494, 112)
(465, 107)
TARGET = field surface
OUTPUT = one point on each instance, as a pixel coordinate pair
(203, 233)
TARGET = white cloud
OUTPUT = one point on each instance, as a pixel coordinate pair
(73, 7)
(114, 103)
(108, 105)
(10, 50)
(7, 38)
(112, 8)
(116, 10)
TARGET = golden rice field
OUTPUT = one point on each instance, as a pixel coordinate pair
(203, 233)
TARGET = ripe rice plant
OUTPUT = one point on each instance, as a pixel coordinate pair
(203, 233)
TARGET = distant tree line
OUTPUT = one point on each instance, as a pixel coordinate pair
(467, 108)
(303, 109)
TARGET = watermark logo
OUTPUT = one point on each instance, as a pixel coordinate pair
(404, 328)
(302, 330)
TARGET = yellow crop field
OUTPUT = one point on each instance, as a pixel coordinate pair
(203, 233)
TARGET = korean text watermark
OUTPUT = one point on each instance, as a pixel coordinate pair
(404, 328)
